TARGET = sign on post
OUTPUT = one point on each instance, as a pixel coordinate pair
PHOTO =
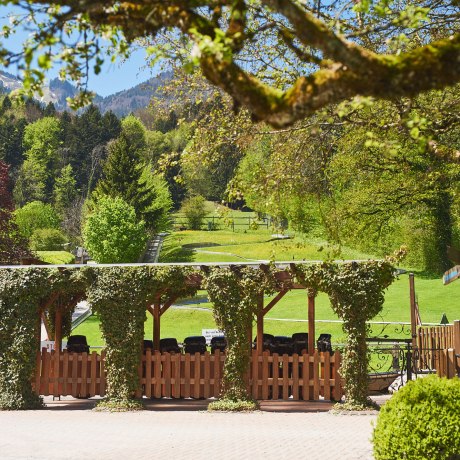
(451, 275)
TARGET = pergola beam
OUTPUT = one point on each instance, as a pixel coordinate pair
(274, 301)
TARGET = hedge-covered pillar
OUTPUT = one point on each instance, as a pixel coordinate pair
(22, 291)
(356, 292)
(120, 295)
(234, 293)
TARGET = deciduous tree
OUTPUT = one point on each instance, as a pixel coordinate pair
(112, 233)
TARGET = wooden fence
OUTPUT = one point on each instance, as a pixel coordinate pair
(437, 348)
(70, 374)
(300, 377)
(447, 364)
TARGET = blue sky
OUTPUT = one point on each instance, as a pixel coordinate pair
(112, 78)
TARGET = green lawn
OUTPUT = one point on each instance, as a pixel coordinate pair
(56, 257)
(202, 246)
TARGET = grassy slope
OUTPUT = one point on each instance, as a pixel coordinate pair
(200, 246)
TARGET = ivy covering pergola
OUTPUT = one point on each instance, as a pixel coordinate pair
(122, 294)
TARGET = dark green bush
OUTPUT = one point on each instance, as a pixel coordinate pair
(421, 421)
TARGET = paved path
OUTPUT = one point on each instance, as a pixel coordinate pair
(154, 248)
(172, 430)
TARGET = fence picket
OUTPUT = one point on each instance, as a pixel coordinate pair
(207, 376)
(327, 375)
(306, 377)
(255, 374)
(316, 376)
(65, 373)
(176, 374)
(337, 392)
(148, 373)
(295, 377)
(84, 370)
(187, 376)
(93, 374)
(276, 370)
(196, 375)
(285, 377)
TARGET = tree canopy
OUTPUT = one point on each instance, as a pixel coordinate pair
(315, 53)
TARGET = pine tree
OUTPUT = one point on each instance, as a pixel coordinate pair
(111, 126)
(122, 177)
(65, 190)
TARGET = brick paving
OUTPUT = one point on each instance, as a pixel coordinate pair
(172, 429)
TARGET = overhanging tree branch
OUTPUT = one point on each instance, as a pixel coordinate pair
(351, 69)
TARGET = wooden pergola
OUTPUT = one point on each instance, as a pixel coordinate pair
(165, 300)
(283, 276)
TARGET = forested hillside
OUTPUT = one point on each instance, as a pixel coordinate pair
(61, 171)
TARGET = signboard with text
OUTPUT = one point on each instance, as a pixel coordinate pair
(210, 333)
(49, 345)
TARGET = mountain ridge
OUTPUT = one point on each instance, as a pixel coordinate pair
(121, 103)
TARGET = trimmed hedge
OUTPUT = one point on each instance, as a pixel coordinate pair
(421, 421)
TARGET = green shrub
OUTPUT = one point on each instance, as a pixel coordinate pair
(227, 405)
(35, 215)
(421, 421)
(47, 239)
(112, 233)
(195, 211)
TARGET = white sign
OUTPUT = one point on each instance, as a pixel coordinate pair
(210, 333)
(49, 345)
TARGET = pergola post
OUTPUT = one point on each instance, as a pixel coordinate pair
(250, 335)
(58, 329)
(38, 331)
(260, 325)
(311, 323)
(413, 314)
(156, 325)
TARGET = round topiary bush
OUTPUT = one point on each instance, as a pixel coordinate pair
(421, 421)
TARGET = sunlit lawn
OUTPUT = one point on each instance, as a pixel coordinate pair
(201, 246)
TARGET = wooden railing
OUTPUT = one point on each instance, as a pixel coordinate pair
(302, 377)
(447, 364)
(305, 377)
(437, 348)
